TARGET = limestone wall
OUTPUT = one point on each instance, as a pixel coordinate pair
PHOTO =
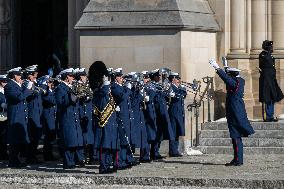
(185, 52)
(134, 52)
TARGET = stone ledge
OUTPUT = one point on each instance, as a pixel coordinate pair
(75, 180)
(112, 14)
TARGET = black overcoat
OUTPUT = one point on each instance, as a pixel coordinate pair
(269, 91)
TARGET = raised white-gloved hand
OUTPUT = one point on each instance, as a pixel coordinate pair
(117, 109)
(214, 63)
(128, 85)
(172, 94)
(147, 98)
(30, 85)
(4, 105)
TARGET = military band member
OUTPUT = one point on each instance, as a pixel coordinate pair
(149, 117)
(48, 119)
(121, 95)
(269, 91)
(176, 113)
(86, 119)
(3, 119)
(69, 122)
(17, 113)
(238, 123)
(164, 128)
(138, 100)
(34, 113)
(105, 122)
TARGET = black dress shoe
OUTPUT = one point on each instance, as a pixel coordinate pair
(17, 165)
(158, 157)
(33, 161)
(69, 167)
(145, 161)
(106, 171)
(233, 163)
(4, 157)
(81, 164)
(49, 158)
(271, 120)
(175, 155)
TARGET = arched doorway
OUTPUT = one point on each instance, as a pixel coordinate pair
(42, 29)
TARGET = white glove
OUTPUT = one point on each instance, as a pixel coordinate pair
(30, 85)
(106, 80)
(4, 105)
(172, 94)
(182, 86)
(129, 86)
(147, 98)
(117, 109)
(214, 63)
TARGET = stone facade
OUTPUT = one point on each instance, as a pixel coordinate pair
(245, 24)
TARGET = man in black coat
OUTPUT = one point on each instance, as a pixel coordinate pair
(269, 91)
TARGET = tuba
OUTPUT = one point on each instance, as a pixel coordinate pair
(82, 90)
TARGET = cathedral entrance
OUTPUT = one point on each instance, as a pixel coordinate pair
(42, 31)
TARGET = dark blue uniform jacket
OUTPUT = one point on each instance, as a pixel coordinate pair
(125, 118)
(17, 113)
(69, 121)
(176, 111)
(238, 123)
(49, 109)
(107, 136)
(137, 104)
(150, 113)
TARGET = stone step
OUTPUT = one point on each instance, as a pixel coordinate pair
(276, 134)
(248, 142)
(12, 181)
(255, 125)
(247, 150)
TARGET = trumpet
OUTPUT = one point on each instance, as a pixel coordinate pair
(194, 86)
(37, 89)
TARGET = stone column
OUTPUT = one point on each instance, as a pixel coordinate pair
(258, 25)
(4, 31)
(238, 12)
(277, 11)
(75, 11)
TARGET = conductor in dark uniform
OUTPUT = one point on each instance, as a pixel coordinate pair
(238, 123)
(269, 91)
(3, 119)
(17, 113)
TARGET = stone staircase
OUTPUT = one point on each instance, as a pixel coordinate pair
(268, 139)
